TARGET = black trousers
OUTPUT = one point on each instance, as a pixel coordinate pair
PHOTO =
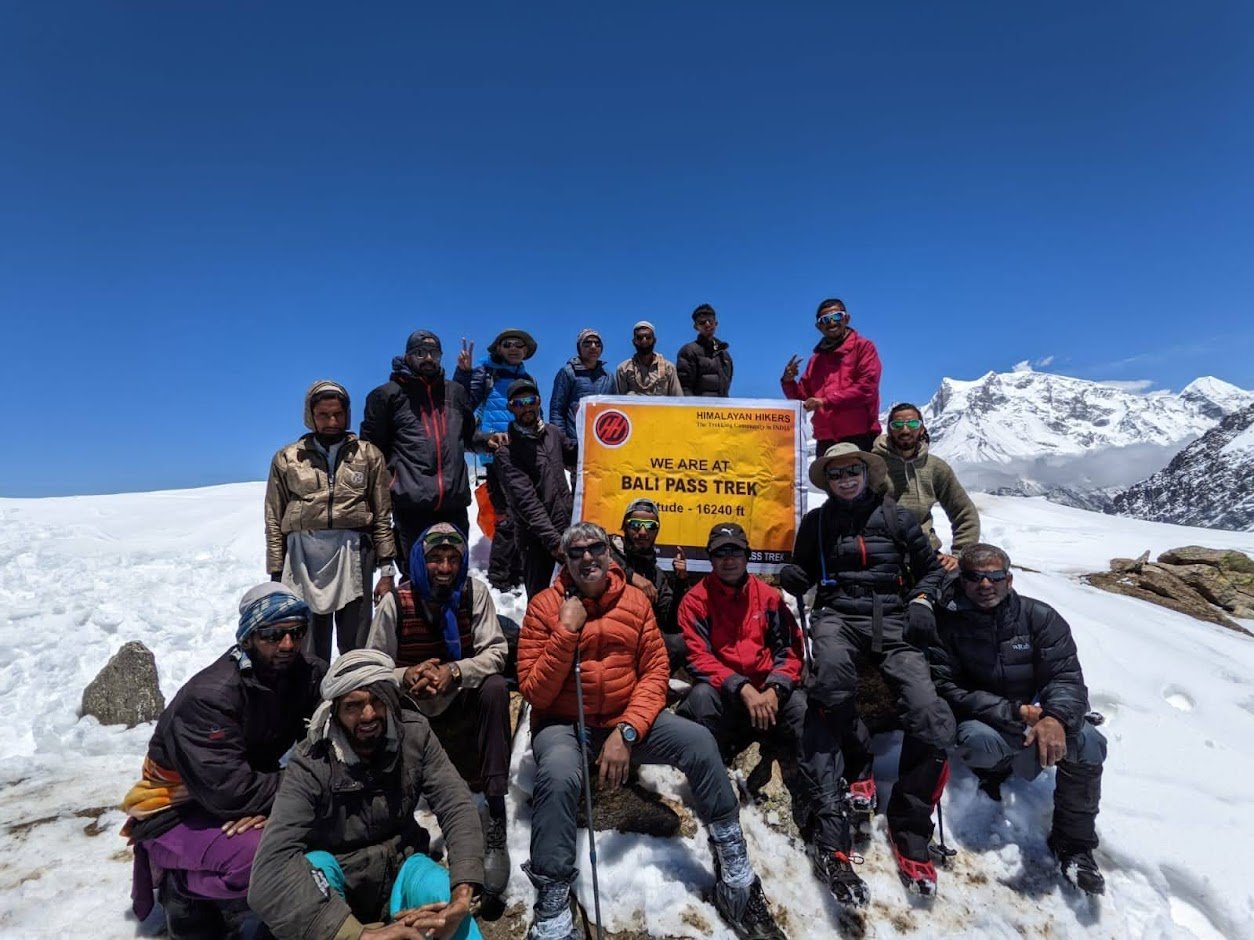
(538, 564)
(480, 716)
(352, 621)
(408, 527)
(832, 716)
(505, 566)
(864, 442)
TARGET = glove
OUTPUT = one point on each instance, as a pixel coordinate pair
(920, 625)
(794, 580)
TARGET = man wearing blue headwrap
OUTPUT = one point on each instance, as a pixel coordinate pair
(440, 627)
(213, 768)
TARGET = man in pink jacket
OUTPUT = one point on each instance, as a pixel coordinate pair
(841, 383)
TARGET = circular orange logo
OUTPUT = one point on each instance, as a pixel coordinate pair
(612, 429)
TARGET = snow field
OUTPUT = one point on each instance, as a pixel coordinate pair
(79, 576)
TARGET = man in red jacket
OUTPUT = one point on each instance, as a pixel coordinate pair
(744, 650)
(841, 383)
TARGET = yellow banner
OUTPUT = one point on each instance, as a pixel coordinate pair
(703, 461)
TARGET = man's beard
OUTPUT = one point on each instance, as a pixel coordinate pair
(644, 350)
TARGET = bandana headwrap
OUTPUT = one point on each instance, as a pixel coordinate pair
(350, 672)
(441, 534)
(270, 602)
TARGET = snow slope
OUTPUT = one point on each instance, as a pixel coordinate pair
(80, 576)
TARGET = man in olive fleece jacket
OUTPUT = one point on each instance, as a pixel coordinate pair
(921, 480)
(342, 851)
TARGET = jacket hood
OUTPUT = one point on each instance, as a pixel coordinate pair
(401, 372)
(577, 364)
(326, 385)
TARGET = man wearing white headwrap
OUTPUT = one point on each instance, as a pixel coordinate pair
(342, 852)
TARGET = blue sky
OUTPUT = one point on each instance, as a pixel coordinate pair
(203, 207)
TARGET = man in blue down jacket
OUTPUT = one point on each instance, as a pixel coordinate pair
(583, 374)
(424, 424)
(1008, 667)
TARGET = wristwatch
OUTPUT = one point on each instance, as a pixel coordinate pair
(630, 735)
(456, 672)
(387, 570)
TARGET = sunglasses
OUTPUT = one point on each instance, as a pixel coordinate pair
(276, 634)
(511, 344)
(727, 551)
(638, 524)
(830, 319)
(591, 342)
(427, 352)
(443, 538)
(975, 577)
(840, 473)
(912, 423)
(524, 401)
(595, 549)
(704, 321)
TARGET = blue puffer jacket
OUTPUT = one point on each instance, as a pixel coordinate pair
(487, 387)
(572, 382)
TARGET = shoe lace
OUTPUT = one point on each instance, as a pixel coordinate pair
(496, 837)
(756, 911)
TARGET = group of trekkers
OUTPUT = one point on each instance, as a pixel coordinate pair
(278, 795)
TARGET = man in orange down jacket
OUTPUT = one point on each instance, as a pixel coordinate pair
(591, 609)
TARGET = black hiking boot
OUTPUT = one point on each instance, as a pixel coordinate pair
(495, 868)
(745, 910)
(834, 868)
(990, 782)
(1077, 866)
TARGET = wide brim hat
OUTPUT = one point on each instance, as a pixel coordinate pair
(514, 334)
(876, 469)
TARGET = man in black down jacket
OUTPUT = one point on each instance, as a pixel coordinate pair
(704, 365)
(212, 768)
(1008, 666)
(424, 425)
(532, 461)
(342, 850)
(877, 578)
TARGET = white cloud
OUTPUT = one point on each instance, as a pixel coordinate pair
(1129, 385)
(1044, 362)
(1023, 366)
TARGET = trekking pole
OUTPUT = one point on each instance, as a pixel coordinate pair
(805, 628)
(942, 850)
(587, 789)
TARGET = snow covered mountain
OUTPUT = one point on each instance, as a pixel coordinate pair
(80, 576)
(1036, 432)
(1210, 483)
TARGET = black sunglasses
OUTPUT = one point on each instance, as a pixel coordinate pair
(276, 634)
(595, 549)
(839, 473)
(975, 577)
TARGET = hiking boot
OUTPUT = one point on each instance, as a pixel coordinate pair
(495, 856)
(553, 915)
(990, 781)
(745, 910)
(918, 877)
(1077, 865)
(834, 868)
(862, 798)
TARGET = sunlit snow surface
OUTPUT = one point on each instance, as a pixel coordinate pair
(80, 576)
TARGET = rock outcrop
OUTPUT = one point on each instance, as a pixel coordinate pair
(125, 691)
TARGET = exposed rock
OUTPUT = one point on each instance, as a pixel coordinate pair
(634, 809)
(1190, 602)
(125, 691)
(1129, 564)
(1225, 559)
(1212, 585)
(764, 779)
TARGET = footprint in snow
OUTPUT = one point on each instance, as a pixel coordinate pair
(1178, 698)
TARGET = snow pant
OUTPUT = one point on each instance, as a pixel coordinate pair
(728, 720)
(409, 526)
(204, 888)
(352, 621)
(559, 775)
(538, 564)
(481, 716)
(1077, 788)
(837, 642)
(505, 567)
(420, 881)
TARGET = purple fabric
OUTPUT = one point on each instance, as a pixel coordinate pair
(217, 867)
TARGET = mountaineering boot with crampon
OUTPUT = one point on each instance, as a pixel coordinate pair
(746, 912)
(834, 868)
(918, 877)
(1077, 866)
(862, 801)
